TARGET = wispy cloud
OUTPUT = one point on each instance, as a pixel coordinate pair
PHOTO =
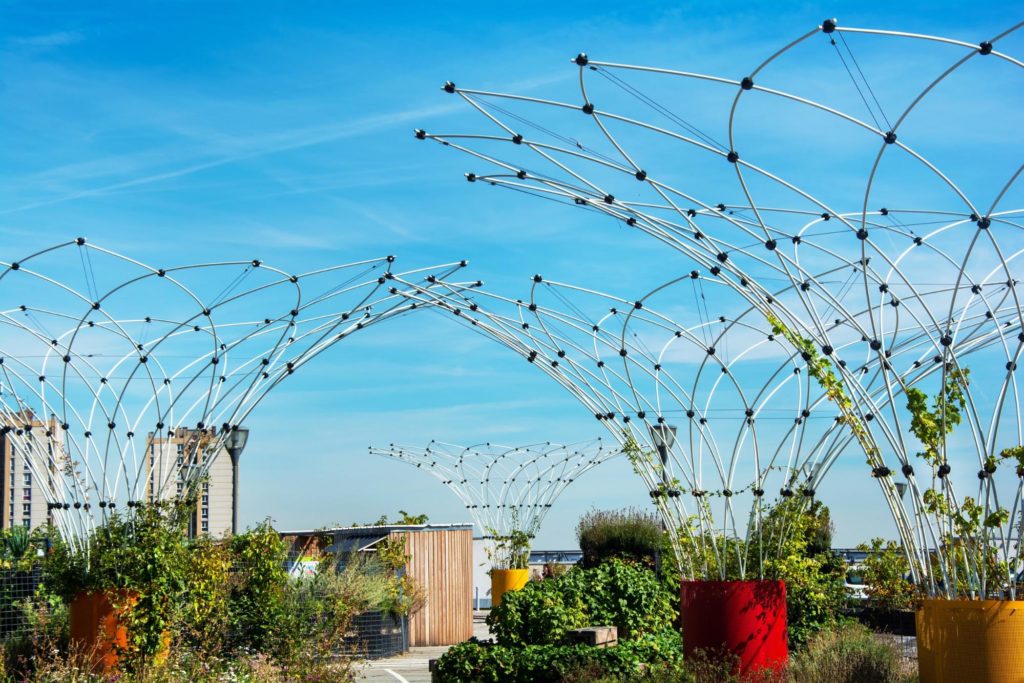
(48, 40)
(259, 146)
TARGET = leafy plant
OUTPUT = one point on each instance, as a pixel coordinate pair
(815, 592)
(138, 561)
(406, 518)
(510, 550)
(620, 594)
(884, 571)
(820, 368)
(256, 604)
(405, 595)
(478, 661)
(205, 614)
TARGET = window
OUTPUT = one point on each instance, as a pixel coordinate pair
(26, 466)
(27, 494)
(206, 526)
(26, 522)
(28, 479)
(206, 500)
(206, 513)
(181, 487)
(26, 509)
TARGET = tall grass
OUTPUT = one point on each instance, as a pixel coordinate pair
(629, 534)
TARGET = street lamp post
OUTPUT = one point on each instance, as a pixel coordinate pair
(663, 436)
(235, 444)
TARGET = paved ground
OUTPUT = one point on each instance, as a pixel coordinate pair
(413, 666)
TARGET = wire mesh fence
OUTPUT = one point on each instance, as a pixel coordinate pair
(17, 589)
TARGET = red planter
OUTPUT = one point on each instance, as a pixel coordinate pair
(745, 618)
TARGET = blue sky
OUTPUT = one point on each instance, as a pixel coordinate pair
(185, 131)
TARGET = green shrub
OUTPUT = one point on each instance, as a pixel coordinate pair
(815, 591)
(850, 654)
(540, 613)
(617, 593)
(257, 612)
(139, 560)
(484, 662)
(883, 571)
(204, 614)
(629, 534)
(629, 597)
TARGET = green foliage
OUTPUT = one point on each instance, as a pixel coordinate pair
(931, 427)
(406, 518)
(510, 550)
(850, 654)
(820, 368)
(16, 545)
(204, 614)
(539, 613)
(884, 571)
(259, 582)
(404, 595)
(629, 534)
(139, 561)
(483, 662)
(815, 592)
(617, 593)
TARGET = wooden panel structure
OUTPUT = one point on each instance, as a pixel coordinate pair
(441, 562)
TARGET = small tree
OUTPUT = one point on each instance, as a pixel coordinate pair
(884, 571)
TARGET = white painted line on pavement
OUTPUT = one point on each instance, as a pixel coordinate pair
(397, 677)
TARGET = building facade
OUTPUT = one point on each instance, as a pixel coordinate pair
(168, 462)
(25, 467)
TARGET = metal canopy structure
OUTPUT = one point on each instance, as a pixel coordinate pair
(911, 269)
(746, 425)
(505, 488)
(105, 360)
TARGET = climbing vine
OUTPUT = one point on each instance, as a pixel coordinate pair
(820, 368)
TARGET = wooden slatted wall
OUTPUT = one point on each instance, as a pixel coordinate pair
(441, 562)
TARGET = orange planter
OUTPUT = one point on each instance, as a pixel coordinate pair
(97, 630)
(505, 580)
(970, 640)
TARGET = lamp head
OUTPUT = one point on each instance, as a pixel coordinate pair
(663, 435)
(236, 440)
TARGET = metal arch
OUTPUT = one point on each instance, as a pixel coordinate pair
(505, 488)
(971, 317)
(587, 385)
(84, 374)
(572, 364)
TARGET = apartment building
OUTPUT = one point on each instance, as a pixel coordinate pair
(168, 464)
(26, 465)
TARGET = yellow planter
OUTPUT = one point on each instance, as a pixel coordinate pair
(971, 640)
(505, 580)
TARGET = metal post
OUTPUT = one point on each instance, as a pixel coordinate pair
(234, 492)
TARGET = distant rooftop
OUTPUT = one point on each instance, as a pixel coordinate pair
(374, 529)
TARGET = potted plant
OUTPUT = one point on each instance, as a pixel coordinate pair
(509, 554)
(124, 585)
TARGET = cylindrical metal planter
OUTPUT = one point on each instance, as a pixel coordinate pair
(744, 618)
(505, 580)
(970, 640)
